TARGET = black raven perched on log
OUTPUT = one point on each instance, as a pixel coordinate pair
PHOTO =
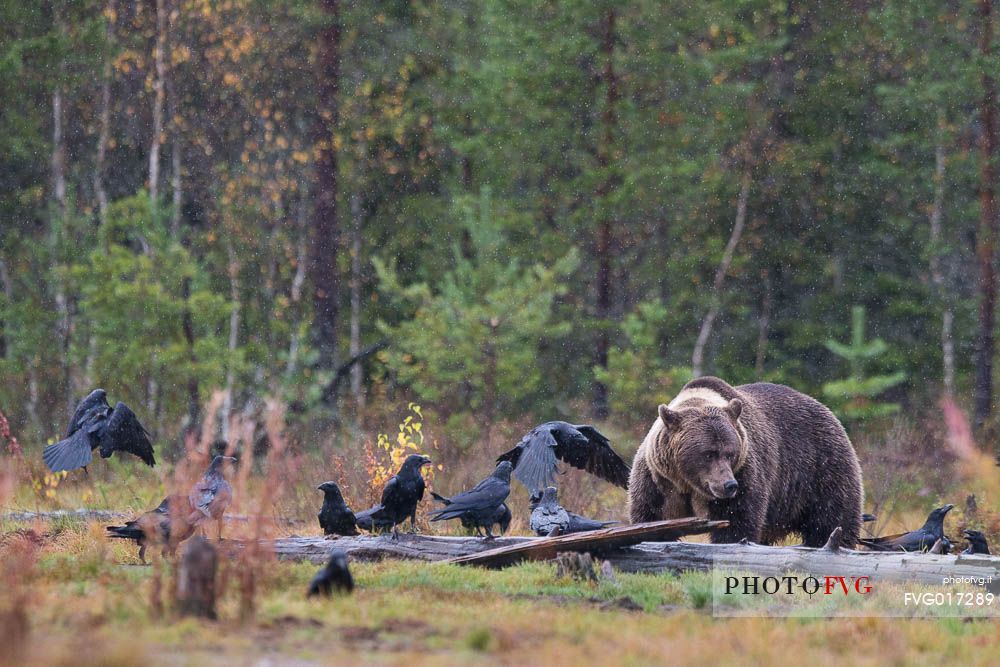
(921, 539)
(534, 458)
(335, 576)
(478, 506)
(501, 517)
(335, 517)
(96, 424)
(157, 527)
(547, 513)
(977, 542)
(211, 495)
(399, 499)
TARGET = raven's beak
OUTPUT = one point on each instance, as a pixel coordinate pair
(947, 508)
(426, 460)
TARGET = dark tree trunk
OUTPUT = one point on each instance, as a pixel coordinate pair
(325, 228)
(986, 241)
(187, 323)
(605, 226)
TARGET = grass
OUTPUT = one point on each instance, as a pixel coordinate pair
(89, 605)
(88, 601)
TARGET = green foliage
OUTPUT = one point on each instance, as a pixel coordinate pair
(472, 341)
(638, 377)
(836, 117)
(855, 397)
(133, 291)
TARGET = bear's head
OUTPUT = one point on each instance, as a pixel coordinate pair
(701, 448)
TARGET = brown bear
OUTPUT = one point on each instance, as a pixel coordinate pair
(762, 456)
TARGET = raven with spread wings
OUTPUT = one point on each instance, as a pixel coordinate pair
(584, 447)
(96, 424)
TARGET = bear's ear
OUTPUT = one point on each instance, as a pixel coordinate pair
(670, 418)
(734, 409)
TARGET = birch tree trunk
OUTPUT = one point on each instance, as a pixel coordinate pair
(937, 273)
(159, 50)
(698, 355)
(104, 131)
(234, 332)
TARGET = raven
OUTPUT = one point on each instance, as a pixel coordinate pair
(156, 526)
(977, 542)
(921, 539)
(335, 575)
(501, 516)
(584, 447)
(211, 495)
(399, 499)
(479, 506)
(547, 513)
(96, 424)
(335, 517)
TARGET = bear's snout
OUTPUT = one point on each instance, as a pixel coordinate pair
(730, 487)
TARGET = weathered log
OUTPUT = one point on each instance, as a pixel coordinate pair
(196, 579)
(654, 557)
(593, 541)
(922, 568)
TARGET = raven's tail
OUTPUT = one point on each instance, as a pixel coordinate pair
(441, 499)
(126, 532)
(69, 454)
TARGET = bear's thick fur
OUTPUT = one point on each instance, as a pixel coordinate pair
(793, 466)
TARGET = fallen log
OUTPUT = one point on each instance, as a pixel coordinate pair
(656, 557)
(594, 541)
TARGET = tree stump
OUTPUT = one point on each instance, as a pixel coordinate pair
(578, 566)
(196, 579)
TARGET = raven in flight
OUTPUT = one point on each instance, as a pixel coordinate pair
(478, 507)
(96, 424)
(977, 542)
(534, 458)
(212, 494)
(156, 526)
(921, 539)
(335, 517)
(547, 514)
(399, 499)
(501, 516)
(335, 576)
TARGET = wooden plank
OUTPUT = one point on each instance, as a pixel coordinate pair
(594, 541)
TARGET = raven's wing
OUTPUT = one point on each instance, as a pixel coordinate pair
(534, 459)
(886, 542)
(579, 524)
(392, 493)
(370, 519)
(124, 433)
(71, 453)
(597, 457)
(95, 400)
(486, 495)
